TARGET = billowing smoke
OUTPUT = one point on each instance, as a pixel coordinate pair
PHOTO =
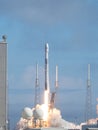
(54, 119)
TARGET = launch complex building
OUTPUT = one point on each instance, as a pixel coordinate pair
(3, 84)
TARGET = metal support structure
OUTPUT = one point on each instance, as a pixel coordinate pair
(37, 88)
(88, 111)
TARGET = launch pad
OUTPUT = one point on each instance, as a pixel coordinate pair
(44, 116)
(48, 128)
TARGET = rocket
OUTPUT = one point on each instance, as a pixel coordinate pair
(46, 67)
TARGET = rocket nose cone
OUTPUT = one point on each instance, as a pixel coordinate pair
(46, 46)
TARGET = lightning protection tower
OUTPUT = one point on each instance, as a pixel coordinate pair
(37, 89)
(88, 111)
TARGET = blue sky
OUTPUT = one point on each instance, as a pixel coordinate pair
(70, 27)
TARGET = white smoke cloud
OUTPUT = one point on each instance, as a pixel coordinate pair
(54, 120)
(21, 125)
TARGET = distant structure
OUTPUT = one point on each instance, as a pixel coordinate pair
(3, 84)
(37, 89)
(88, 111)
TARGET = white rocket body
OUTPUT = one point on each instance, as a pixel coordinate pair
(46, 67)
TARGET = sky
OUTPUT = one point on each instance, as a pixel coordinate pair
(70, 27)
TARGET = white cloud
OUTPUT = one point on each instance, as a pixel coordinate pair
(48, 11)
(71, 83)
(28, 76)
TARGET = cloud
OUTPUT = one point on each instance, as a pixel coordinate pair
(29, 76)
(48, 11)
(77, 20)
(71, 83)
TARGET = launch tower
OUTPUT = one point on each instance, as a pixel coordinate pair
(88, 111)
(37, 89)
